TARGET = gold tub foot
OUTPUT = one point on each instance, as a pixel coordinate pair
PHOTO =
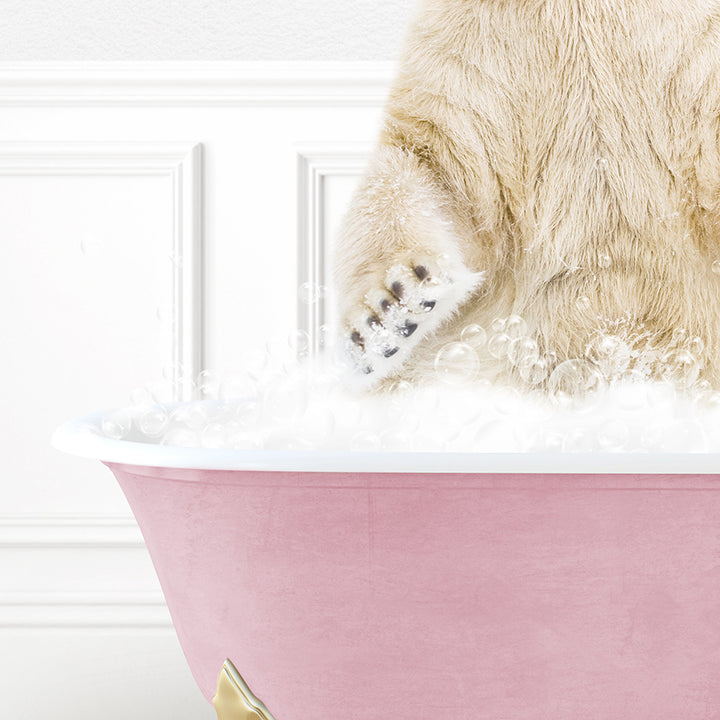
(233, 699)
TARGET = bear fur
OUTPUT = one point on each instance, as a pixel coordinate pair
(558, 160)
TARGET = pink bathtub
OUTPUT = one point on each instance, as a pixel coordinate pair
(418, 586)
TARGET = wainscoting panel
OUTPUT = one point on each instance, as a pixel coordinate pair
(156, 219)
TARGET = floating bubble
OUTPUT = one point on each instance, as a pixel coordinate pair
(498, 325)
(153, 420)
(534, 370)
(715, 267)
(696, 346)
(499, 345)
(214, 435)
(285, 400)
(299, 341)
(474, 335)
(237, 386)
(604, 260)
(613, 436)
(632, 391)
(523, 350)
(208, 385)
(681, 368)
(609, 353)
(456, 363)
(180, 437)
(515, 327)
(578, 440)
(117, 424)
(310, 292)
(573, 380)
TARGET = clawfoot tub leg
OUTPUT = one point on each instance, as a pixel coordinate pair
(234, 700)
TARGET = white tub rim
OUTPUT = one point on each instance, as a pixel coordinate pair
(75, 437)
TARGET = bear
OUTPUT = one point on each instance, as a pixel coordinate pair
(547, 171)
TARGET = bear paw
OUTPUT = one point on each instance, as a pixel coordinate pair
(409, 302)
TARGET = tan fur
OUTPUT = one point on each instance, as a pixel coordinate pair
(536, 141)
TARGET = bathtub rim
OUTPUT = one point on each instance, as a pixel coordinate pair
(76, 437)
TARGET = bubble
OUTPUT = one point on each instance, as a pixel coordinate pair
(715, 267)
(310, 292)
(140, 396)
(681, 368)
(153, 420)
(365, 441)
(573, 380)
(237, 386)
(299, 341)
(180, 437)
(604, 260)
(117, 424)
(498, 325)
(214, 435)
(613, 436)
(534, 370)
(284, 399)
(498, 345)
(578, 440)
(609, 353)
(161, 391)
(456, 363)
(515, 327)
(632, 391)
(523, 350)
(696, 346)
(326, 337)
(247, 413)
(193, 415)
(208, 384)
(474, 335)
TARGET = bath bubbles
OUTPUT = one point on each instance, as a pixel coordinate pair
(515, 327)
(153, 420)
(285, 399)
(499, 345)
(456, 363)
(613, 435)
(681, 368)
(534, 370)
(474, 336)
(299, 342)
(609, 353)
(523, 350)
(311, 292)
(237, 386)
(180, 437)
(208, 384)
(117, 424)
(498, 325)
(573, 380)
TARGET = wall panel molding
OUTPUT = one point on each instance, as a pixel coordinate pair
(182, 164)
(315, 165)
(299, 84)
(39, 543)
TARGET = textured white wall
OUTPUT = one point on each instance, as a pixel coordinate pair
(130, 30)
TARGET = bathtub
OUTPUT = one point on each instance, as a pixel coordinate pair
(349, 586)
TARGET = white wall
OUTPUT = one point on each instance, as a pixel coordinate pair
(202, 29)
(149, 213)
